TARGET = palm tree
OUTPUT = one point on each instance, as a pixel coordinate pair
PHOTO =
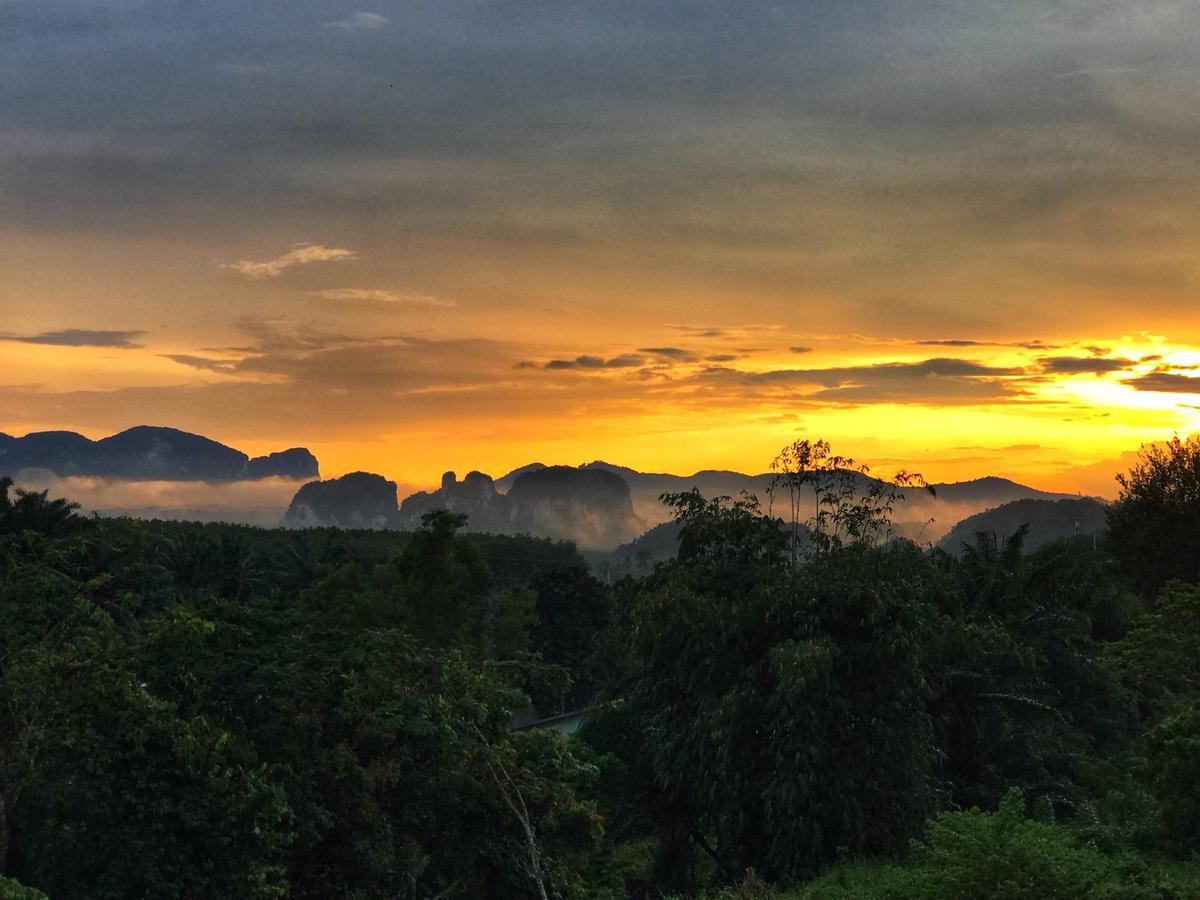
(35, 511)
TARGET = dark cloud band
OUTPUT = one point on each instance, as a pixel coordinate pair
(81, 337)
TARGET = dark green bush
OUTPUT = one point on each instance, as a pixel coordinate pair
(1004, 855)
(1173, 748)
(12, 890)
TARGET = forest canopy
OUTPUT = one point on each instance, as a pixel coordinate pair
(810, 706)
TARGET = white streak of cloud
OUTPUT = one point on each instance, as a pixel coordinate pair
(381, 296)
(300, 254)
(246, 69)
(360, 21)
(1100, 70)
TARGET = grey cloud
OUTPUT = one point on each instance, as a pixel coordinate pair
(202, 362)
(595, 362)
(960, 342)
(673, 353)
(653, 374)
(740, 149)
(336, 385)
(273, 337)
(724, 331)
(1035, 345)
(937, 391)
(310, 358)
(626, 361)
(81, 337)
(941, 380)
(1078, 365)
(1165, 382)
(926, 370)
(937, 381)
(579, 362)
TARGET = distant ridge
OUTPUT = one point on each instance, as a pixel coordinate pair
(148, 453)
(598, 504)
(952, 501)
(357, 500)
(1048, 521)
(588, 506)
(506, 482)
(1049, 517)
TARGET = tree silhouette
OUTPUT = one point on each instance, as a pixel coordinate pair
(832, 500)
(34, 511)
(1154, 526)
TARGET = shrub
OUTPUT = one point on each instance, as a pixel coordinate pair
(1003, 855)
(1174, 757)
(13, 890)
(974, 855)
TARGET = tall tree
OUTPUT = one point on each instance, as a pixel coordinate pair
(1154, 527)
(779, 705)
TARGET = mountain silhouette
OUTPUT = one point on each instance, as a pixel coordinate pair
(148, 453)
(591, 507)
(1048, 521)
(950, 502)
(475, 497)
(599, 505)
(606, 507)
(294, 463)
(357, 500)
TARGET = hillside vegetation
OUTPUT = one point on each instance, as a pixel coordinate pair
(1043, 522)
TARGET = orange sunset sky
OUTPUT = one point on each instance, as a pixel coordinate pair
(961, 238)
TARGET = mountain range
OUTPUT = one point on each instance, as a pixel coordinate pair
(148, 453)
(1047, 521)
(592, 507)
(922, 515)
(601, 506)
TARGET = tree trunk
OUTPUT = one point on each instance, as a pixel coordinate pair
(522, 814)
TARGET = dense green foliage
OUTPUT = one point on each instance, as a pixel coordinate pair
(973, 855)
(11, 890)
(217, 712)
(788, 693)
(800, 706)
(750, 682)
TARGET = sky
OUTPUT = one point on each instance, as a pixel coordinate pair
(961, 238)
